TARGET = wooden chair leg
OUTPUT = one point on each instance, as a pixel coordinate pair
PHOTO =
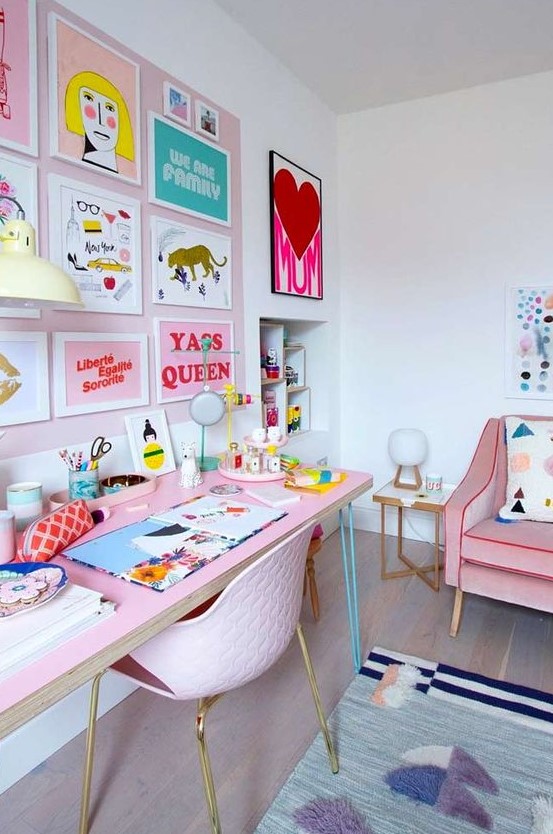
(314, 547)
(457, 610)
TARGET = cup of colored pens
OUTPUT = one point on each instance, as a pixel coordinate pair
(83, 476)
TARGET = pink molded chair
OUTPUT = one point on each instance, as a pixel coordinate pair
(510, 562)
(242, 634)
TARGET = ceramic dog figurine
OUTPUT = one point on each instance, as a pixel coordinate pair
(190, 475)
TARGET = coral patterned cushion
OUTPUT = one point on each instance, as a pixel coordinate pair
(529, 492)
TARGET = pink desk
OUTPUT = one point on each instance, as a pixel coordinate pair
(142, 612)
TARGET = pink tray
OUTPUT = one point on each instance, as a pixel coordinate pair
(122, 496)
(245, 476)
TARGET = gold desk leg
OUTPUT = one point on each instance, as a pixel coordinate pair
(89, 755)
(204, 704)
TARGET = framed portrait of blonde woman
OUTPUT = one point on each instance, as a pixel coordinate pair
(95, 103)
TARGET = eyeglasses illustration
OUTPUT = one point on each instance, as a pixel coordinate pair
(92, 207)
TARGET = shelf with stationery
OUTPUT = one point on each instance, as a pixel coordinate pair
(285, 396)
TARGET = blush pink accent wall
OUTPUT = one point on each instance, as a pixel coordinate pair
(64, 431)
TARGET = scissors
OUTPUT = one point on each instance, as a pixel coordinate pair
(100, 447)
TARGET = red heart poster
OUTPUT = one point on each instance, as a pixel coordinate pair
(296, 241)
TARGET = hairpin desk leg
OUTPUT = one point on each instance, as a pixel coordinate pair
(350, 578)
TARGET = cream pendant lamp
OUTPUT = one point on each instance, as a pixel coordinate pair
(27, 280)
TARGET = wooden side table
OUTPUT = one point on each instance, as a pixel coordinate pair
(391, 496)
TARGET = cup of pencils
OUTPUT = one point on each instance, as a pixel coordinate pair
(83, 476)
(84, 484)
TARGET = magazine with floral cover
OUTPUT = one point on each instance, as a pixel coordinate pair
(168, 546)
(221, 516)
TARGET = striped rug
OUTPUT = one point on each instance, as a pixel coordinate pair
(439, 680)
(425, 748)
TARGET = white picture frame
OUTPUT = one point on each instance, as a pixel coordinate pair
(18, 179)
(186, 173)
(150, 442)
(76, 61)
(177, 104)
(99, 372)
(206, 121)
(24, 388)
(18, 107)
(179, 357)
(95, 238)
(200, 274)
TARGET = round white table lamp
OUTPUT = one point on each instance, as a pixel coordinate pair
(408, 449)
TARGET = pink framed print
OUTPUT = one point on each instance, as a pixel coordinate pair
(94, 103)
(18, 80)
(99, 372)
(24, 396)
(176, 104)
(95, 238)
(179, 358)
(296, 229)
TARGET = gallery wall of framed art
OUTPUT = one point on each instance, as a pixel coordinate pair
(132, 180)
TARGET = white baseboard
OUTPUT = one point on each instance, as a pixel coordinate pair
(34, 742)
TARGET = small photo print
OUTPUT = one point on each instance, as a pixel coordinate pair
(207, 120)
(176, 104)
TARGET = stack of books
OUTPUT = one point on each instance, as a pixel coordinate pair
(28, 636)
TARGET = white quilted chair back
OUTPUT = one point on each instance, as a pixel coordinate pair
(241, 635)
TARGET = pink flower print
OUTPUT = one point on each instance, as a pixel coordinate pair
(6, 188)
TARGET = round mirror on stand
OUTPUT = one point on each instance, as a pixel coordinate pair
(207, 408)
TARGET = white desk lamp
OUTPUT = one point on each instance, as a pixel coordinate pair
(27, 280)
(408, 449)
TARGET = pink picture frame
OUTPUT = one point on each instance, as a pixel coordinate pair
(18, 76)
(179, 358)
(99, 372)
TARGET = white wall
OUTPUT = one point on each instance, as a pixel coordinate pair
(443, 203)
(195, 41)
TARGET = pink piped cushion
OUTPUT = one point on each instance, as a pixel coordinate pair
(529, 493)
(524, 547)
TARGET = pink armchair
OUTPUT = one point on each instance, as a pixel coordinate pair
(511, 562)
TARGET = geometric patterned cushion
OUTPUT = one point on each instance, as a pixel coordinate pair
(529, 470)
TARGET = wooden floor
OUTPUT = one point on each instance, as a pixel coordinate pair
(147, 777)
